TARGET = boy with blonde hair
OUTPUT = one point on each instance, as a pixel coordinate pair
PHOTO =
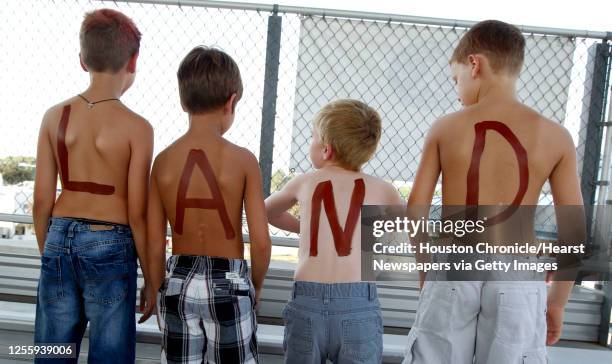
(495, 151)
(200, 184)
(332, 314)
(90, 237)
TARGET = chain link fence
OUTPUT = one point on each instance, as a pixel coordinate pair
(293, 62)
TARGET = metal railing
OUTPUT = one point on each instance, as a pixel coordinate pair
(293, 61)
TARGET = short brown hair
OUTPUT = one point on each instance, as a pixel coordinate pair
(353, 130)
(503, 44)
(207, 78)
(108, 39)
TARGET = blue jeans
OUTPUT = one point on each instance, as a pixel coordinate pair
(341, 322)
(88, 274)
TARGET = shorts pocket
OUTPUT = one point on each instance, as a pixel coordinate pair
(107, 277)
(105, 267)
(362, 339)
(50, 282)
(517, 316)
(436, 308)
(298, 332)
(231, 287)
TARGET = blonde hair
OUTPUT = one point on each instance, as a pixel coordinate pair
(353, 130)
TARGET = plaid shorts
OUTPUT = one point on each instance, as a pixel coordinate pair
(206, 311)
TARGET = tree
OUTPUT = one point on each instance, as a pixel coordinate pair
(17, 169)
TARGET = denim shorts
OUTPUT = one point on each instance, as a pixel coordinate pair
(341, 322)
(88, 275)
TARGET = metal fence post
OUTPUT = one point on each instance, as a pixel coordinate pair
(592, 150)
(606, 307)
(268, 112)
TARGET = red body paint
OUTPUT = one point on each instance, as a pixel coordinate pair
(62, 153)
(324, 193)
(198, 157)
(471, 198)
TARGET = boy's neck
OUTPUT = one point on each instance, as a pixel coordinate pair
(210, 123)
(333, 165)
(104, 86)
(497, 89)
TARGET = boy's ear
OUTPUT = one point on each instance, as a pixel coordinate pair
(328, 152)
(131, 64)
(83, 66)
(475, 63)
(230, 104)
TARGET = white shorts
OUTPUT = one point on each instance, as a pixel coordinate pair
(500, 322)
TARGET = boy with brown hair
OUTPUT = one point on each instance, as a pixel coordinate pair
(333, 314)
(90, 237)
(492, 321)
(200, 184)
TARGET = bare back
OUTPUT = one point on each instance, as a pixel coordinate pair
(498, 153)
(201, 183)
(330, 260)
(498, 173)
(92, 152)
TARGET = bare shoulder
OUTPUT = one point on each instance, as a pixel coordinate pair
(243, 157)
(138, 126)
(386, 193)
(447, 124)
(53, 114)
(554, 132)
(160, 160)
(295, 184)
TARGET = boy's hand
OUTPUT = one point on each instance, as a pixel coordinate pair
(147, 303)
(554, 323)
(422, 276)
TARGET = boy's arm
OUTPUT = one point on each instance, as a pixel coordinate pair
(423, 189)
(138, 181)
(286, 221)
(156, 233)
(45, 184)
(257, 222)
(567, 198)
(278, 204)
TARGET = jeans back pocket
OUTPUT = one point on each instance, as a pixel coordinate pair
(362, 338)
(50, 282)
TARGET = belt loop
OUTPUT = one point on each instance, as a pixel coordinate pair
(326, 293)
(71, 228)
(293, 291)
(372, 291)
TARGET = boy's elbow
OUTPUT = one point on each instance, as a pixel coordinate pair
(261, 245)
(41, 205)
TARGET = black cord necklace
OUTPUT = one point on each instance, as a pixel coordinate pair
(90, 104)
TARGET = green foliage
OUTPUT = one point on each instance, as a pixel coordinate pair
(404, 191)
(279, 179)
(17, 169)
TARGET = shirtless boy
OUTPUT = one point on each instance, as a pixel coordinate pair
(90, 237)
(200, 184)
(494, 151)
(332, 314)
